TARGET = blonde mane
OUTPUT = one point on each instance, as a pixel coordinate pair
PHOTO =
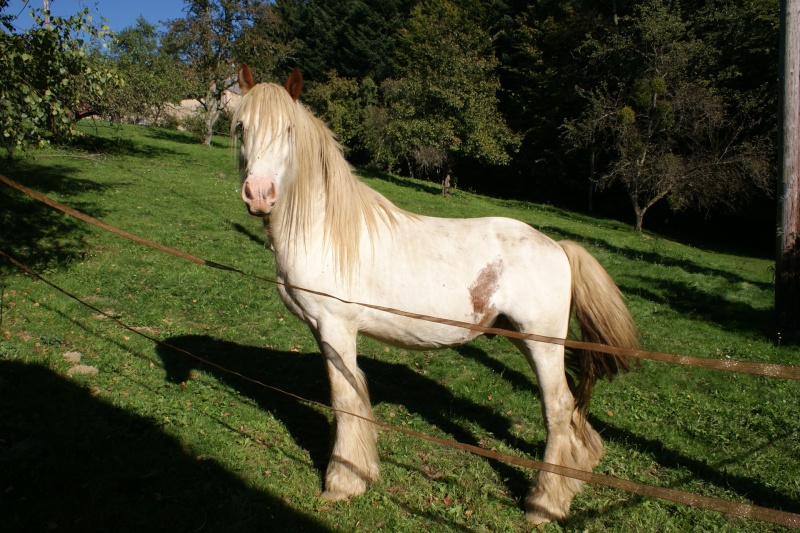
(350, 206)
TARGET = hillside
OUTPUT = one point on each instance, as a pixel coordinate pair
(152, 439)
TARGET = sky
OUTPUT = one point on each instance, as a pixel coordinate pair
(120, 14)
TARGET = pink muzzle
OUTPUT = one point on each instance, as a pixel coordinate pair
(259, 194)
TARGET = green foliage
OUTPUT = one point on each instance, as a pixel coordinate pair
(344, 104)
(550, 98)
(354, 38)
(668, 135)
(744, 37)
(195, 123)
(51, 78)
(152, 79)
(446, 102)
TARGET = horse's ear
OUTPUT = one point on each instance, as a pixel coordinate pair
(294, 84)
(245, 79)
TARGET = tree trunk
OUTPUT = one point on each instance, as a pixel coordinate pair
(46, 12)
(213, 105)
(639, 212)
(639, 220)
(211, 118)
(592, 164)
(787, 260)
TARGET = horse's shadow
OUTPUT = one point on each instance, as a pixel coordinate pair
(304, 375)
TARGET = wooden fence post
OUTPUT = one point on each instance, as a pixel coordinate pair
(787, 260)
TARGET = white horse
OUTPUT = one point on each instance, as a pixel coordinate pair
(335, 235)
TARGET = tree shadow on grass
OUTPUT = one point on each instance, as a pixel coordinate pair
(695, 303)
(305, 376)
(179, 137)
(36, 233)
(73, 462)
(426, 187)
(655, 258)
(118, 145)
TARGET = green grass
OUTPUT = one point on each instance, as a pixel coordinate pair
(154, 441)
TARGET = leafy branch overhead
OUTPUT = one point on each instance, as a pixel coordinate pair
(51, 78)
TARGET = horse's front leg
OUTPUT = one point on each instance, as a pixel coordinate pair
(354, 455)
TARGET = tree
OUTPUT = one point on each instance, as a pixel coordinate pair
(51, 79)
(445, 105)
(266, 44)
(345, 105)
(356, 39)
(668, 134)
(205, 43)
(151, 79)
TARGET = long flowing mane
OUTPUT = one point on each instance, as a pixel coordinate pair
(351, 209)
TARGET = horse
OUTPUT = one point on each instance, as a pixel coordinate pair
(336, 236)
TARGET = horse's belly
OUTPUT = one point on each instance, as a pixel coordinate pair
(417, 334)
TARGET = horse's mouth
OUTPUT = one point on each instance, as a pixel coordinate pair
(258, 212)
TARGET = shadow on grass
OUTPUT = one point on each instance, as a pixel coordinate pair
(179, 137)
(107, 143)
(72, 462)
(426, 187)
(35, 233)
(655, 258)
(520, 381)
(305, 376)
(687, 299)
(694, 303)
(260, 239)
(758, 493)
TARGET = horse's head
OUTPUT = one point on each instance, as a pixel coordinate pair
(265, 117)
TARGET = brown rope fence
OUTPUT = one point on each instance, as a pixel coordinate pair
(695, 500)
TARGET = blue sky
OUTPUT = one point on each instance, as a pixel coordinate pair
(119, 13)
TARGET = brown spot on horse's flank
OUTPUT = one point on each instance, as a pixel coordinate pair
(482, 290)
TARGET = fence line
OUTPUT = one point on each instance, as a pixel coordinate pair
(729, 365)
(742, 510)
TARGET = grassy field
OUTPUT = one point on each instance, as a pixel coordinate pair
(103, 430)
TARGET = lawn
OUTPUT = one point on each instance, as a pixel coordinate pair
(104, 430)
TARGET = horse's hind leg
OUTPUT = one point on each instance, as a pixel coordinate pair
(571, 441)
(354, 454)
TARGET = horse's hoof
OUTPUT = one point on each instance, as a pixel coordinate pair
(537, 518)
(334, 496)
(540, 514)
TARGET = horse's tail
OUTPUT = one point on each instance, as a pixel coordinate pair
(603, 318)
